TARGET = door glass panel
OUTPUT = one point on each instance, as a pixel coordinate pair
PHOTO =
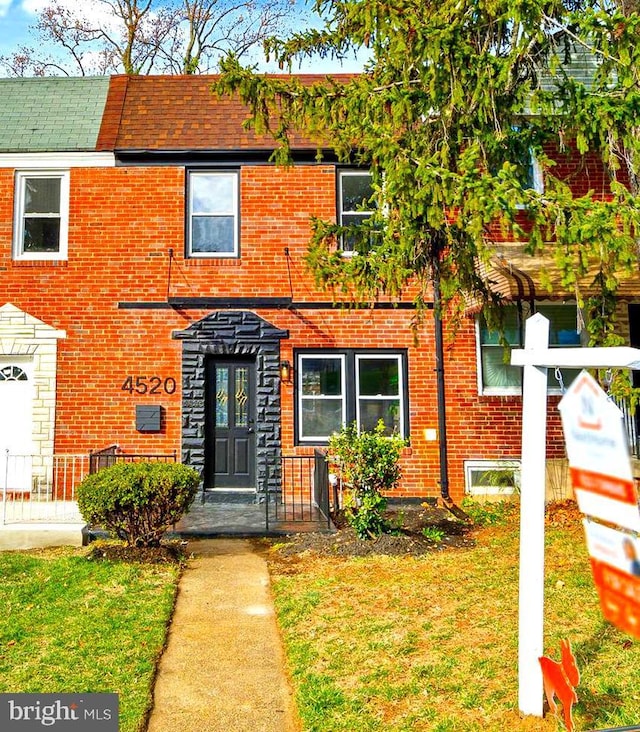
(242, 398)
(222, 396)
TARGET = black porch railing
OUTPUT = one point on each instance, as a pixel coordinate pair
(111, 455)
(303, 493)
(631, 427)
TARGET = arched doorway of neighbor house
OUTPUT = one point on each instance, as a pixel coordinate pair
(16, 423)
(28, 370)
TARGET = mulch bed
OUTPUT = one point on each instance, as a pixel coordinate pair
(407, 539)
(458, 532)
(170, 553)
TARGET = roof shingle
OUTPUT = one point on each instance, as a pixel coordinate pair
(180, 113)
(51, 114)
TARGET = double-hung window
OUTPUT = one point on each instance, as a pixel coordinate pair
(41, 215)
(338, 387)
(213, 226)
(354, 203)
(496, 375)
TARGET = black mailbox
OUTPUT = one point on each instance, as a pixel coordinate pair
(148, 418)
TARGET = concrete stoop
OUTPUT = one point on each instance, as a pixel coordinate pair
(40, 535)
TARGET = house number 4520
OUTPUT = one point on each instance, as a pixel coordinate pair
(149, 385)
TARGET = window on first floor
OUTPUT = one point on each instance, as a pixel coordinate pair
(213, 214)
(41, 215)
(338, 387)
(496, 375)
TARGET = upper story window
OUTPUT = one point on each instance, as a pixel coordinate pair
(337, 387)
(41, 221)
(497, 376)
(354, 201)
(213, 214)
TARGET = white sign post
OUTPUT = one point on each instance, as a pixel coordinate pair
(537, 358)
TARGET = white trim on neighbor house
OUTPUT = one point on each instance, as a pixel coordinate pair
(25, 339)
(39, 160)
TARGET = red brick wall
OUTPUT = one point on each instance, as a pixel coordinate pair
(123, 221)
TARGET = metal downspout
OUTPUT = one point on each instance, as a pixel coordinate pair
(442, 418)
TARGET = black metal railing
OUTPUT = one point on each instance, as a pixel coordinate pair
(111, 455)
(631, 427)
(302, 496)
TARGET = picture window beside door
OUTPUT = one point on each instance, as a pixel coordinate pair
(41, 215)
(335, 388)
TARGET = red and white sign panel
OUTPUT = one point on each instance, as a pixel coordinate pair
(619, 596)
(616, 573)
(598, 454)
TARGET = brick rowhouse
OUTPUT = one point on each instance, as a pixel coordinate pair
(132, 303)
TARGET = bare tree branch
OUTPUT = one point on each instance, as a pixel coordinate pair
(146, 36)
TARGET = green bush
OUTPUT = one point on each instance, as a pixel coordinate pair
(368, 463)
(138, 501)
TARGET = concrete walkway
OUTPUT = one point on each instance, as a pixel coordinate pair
(223, 668)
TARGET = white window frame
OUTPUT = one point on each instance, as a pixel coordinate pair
(350, 395)
(21, 178)
(537, 182)
(234, 211)
(511, 390)
(342, 174)
(538, 177)
(315, 439)
(397, 398)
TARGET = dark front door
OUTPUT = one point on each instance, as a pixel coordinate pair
(230, 422)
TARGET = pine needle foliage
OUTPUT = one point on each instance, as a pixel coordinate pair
(454, 96)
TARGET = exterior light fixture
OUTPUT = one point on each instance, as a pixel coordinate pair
(285, 371)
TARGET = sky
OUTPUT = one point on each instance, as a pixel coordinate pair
(17, 15)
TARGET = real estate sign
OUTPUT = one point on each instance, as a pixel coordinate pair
(598, 454)
(603, 483)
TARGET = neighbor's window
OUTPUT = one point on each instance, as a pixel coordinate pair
(213, 214)
(354, 200)
(41, 215)
(337, 388)
(496, 375)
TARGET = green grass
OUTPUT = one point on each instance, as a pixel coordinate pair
(430, 643)
(73, 625)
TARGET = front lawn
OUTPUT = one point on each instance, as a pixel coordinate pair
(429, 642)
(71, 624)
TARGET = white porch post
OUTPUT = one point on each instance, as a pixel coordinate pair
(532, 500)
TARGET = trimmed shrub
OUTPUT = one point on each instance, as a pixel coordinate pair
(368, 463)
(138, 502)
